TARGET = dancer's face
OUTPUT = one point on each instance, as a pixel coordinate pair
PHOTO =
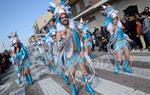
(115, 20)
(16, 45)
(53, 22)
(64, 19)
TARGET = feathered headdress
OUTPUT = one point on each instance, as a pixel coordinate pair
(83, 26)
(109, 11)
(60, 7)
(13, 37)
(109, 14)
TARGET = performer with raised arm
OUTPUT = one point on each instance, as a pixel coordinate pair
(72, 51)
(24, 63)
(119, 40)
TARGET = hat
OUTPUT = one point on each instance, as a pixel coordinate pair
(52, 7)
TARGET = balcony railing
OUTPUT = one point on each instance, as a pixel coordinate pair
(91, 8)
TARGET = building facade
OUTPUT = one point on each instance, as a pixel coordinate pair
(41, 22)
(40, 26)
(90, 9)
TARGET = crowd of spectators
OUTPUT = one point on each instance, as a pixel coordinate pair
(136, 26)
(101, 38)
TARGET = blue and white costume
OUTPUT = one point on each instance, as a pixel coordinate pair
(41, 50)
(23, 61)
(66, 51)
(118, 39)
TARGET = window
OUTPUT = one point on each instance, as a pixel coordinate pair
(87, 3)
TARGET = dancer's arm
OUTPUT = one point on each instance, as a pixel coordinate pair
(23, 52)
(58, 36)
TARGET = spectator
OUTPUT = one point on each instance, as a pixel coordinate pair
(145, 13)
(124, 22)
(139, 35)
(146, 29)
(96, 33)
(131, 30)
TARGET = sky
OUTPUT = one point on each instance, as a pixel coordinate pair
(19, 15)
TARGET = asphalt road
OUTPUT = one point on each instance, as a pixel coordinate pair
(104, 83)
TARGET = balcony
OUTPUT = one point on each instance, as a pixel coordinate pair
(91, 8)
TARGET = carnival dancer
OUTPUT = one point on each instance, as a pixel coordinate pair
(85, 36)
(71, 40)
(86, 49)
(69, 46)
(57, 59)
(13, 58)
(35, 52)
(119, 40)
(50, 37)
(41, 49)
(56, 51)
(12, 36)
(24, 63)
(49, 54)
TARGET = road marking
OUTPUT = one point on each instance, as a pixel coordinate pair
(5, 87)
(20, 91)
(107, 87)
(7, 76)
(133, 58)
(10, 71)
(137, 72)
(50, 87)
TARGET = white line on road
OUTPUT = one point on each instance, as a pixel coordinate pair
(137, 72)
(20, 91)
(8, 76)
(107, 87)
(5, 87)
(9, 71)
(133, 58)
(50, 87)
(110, 88)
